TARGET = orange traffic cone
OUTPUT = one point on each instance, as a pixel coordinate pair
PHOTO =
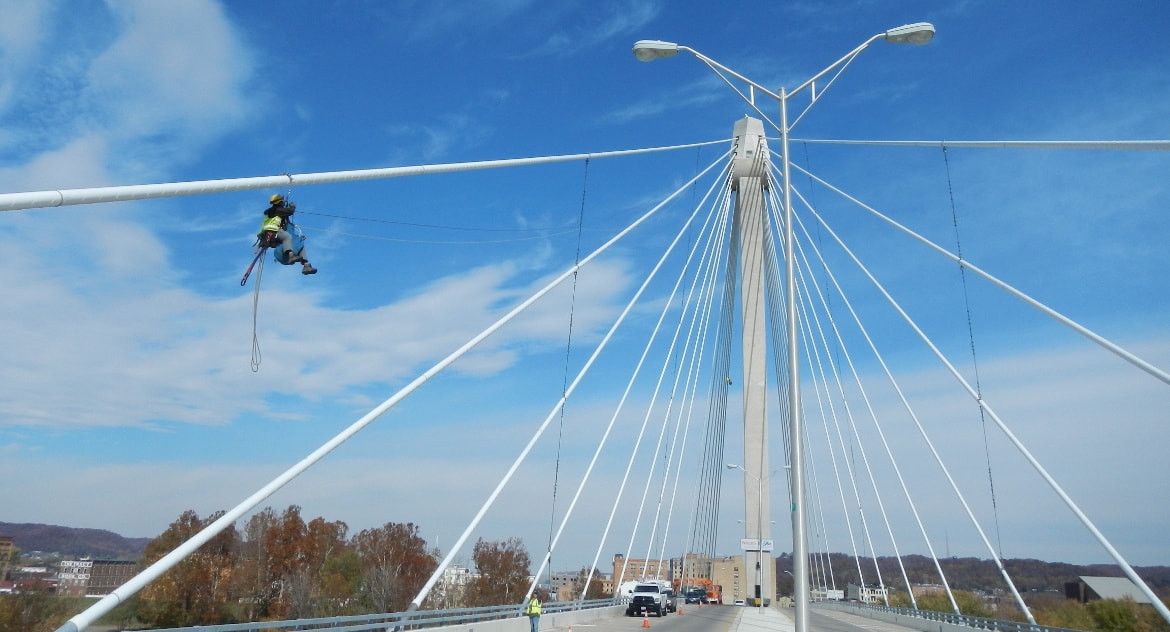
(645, 620)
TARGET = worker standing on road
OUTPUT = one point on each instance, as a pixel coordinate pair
(532, 611)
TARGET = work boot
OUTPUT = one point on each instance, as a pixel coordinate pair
(308, 269)
(292, 257)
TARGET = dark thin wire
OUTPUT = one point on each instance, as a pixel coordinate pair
(974, 361)
(417, 225)
(565, 383)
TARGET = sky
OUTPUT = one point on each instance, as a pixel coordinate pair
(128, 394)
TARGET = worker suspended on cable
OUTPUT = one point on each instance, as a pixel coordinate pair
(274, 233)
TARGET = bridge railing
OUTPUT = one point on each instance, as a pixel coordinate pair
(900, 616)
(398, 621)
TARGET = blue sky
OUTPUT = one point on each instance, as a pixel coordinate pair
(128, 396)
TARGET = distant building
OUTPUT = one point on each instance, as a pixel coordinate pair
(636, 569)
(1095, 588)
(821, 593)
(728, 572)
(871, 593)
(565, 587)
(93, 578)
(73, 577)
(106, 575)
(7, 549)
(451, 589)
(927, 589)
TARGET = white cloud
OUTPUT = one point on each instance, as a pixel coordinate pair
(163, 81)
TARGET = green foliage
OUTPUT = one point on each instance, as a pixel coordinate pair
(1062, 613)
(34, 609)
(969, 603)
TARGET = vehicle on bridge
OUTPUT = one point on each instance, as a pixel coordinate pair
(671, 600)
(649, 598)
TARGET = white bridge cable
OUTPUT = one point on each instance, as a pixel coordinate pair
(808, 322)
(825, 401)
(824, 305)
(819, 555)
(98, 195)
(1091, 335)
(938, 354)
(152, 572)
(1056, 488)
(651, 275)
(708, 497)
(813, 357)
(832, 452)
(456, 548)
(667, 306)
(1126, 145)
(873, 415)
(686, 411)
(694, 302)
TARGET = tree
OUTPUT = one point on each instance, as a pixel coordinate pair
(312, 589)
(196, 591)
(503, 573)
(253, 584)
(33, 609)
(394, 565)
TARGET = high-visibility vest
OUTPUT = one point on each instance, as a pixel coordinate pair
(533, 607)
(271, 223)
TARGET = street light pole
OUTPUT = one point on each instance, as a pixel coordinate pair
(649, 50)
(759, 594)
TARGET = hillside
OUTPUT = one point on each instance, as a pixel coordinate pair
(977, 574)
(72, 542)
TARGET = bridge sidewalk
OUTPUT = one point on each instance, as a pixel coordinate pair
(752, 619)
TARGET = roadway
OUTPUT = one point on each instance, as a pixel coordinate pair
(735, 619)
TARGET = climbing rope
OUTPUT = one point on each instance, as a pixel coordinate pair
(974, 360)
(256, 356)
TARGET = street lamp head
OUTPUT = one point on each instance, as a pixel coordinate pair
(649, 50)
(732, 466)
(917, 33)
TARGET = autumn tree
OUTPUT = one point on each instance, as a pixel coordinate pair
(253, 584)
(503, 573)
(595, 590)
(394, 564)
(196, 591)
(32, 609)
(313, 586)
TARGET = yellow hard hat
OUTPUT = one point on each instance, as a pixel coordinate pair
(276, 199)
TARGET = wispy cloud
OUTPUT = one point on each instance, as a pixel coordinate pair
(600, 23)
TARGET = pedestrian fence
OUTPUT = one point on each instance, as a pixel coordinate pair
(402, 621)
(931, 621)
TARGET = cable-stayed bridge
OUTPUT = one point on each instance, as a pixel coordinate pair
(759, 332)
(674, 384)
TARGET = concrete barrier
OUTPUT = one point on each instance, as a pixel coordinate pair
(547, 621)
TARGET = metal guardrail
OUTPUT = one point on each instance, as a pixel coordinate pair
(396, 621)
(977, 623)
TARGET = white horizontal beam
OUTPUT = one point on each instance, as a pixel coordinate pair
(98, 195)
(1162, 145)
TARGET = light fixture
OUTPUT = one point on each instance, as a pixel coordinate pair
(917, 33)
(649, 50)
